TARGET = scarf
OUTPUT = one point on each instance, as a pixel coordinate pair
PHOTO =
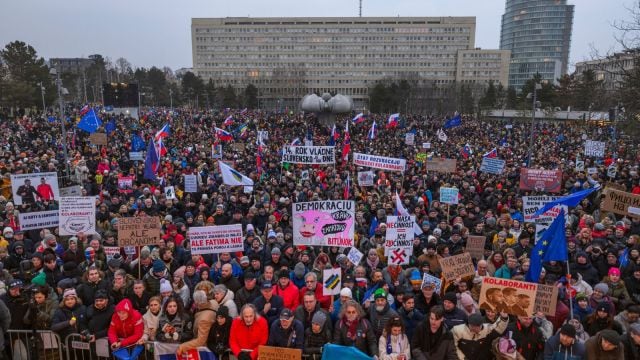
(352, 327)
(434, 339)
(373, 264)
(394, 271)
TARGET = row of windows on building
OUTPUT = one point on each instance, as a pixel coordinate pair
(329, 65)
(306, 39)
(331, 30)
(394, 55)
(326, 77)
(281, 48)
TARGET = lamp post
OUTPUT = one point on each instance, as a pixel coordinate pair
(44, 107)
(55, 73)
(171, 100)
(533, 121)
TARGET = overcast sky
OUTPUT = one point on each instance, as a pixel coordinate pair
(158, 32)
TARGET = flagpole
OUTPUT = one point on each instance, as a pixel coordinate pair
(569, 292)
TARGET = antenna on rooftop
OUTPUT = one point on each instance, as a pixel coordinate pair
(360, 8)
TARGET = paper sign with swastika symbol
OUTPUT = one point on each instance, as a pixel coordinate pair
(399, 256)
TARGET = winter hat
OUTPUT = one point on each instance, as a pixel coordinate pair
(599, 227)
(101, 294)
(244, 260)
(568, 330)
(275, 251)
(635, 328)
(158, 266)
(283, 274)
(466, 299)
(223, 311)
(298, 270)
(70, 292)
(340, 258)
(415, 277)
(380, 294)
(66, 283)
(611, 336)
(40, 279)
(450, 296)
(271, 234)
(614, 271)
(475, 319)
(581, 297)
(437, 231)
(346, 292)
(604, 306)
(115, 261)
(507, 345)
(250, 228)
(319, 318)
(165, 286)
(602, 287)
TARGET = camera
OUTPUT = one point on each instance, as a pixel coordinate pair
(86, 334)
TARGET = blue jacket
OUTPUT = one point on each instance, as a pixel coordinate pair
(277, 304)
(292, 338)
(553, 346)
(504, 272)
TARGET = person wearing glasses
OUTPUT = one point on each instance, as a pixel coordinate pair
(352, 329)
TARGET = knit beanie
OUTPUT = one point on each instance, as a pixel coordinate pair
(319, 318)
(165, 286)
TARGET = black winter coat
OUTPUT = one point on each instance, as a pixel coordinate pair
(365, 339)
(438, 346)
(62, 316)
(97, 321)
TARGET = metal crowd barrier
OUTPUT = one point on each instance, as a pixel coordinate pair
(34, 344)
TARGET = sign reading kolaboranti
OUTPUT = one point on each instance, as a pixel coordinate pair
(379, 162)
(77, 214)
(138, 231)
(309, 154)
(511, 296)
(216, 239)
(323, 223)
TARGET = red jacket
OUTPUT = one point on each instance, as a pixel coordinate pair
(324, 300)
(129, 331)
(243, 337)
(289, 295)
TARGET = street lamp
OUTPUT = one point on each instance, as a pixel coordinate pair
(61, 91)
(44, 107)
(533, 120)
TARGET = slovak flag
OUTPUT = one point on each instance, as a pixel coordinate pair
(392, 122)
(167, 351)
(85, 109)
(372, 132)
(347, 187)
(163, 132)
(223, 135)
(358, 119)
(491, 154)
(346, 145)
(296, 142)
(228, 121)
(466, 151)
(160, 148)
(334, 136)
(244, 111)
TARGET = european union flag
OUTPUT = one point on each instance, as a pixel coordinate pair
(374, 225)
(569, 200)
(51, 119)
(111, 126)
(90, 122)
(137, 144)
(552, 246)
(453, 122)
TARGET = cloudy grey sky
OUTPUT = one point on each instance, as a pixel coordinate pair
(158, 32)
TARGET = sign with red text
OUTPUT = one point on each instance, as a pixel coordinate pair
(540, 180)
(379, 162)
(511, 296)
(215, 239)
(324, 223)
(77, 214)
(399, 235)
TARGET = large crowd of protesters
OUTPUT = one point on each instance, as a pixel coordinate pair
(271, 293)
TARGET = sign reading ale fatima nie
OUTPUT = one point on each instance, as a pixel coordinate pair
(138, 231)
(215, 239)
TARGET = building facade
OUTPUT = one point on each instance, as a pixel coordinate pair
(77, 66)
(538, 34)
(610, 69)
(287, 58)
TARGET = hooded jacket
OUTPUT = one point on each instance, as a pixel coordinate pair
(289, 295)
(477, 346)
(228, 301)
(97, 320)
(202, 322)
(594, 350)
(245, 337)
(127, 331)
(426, 345)
(553, 346)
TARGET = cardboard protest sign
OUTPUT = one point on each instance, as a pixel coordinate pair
(546, 299)
(98, 138)
(355, 256)
(309, 154)
(77, 214)
(278, 353)
(457, 266)
(410, 139)
(511, 296)
(379, 162)
(428, 279)
(475, 246)
(38, 220)
(621, 202)
(29, 188)
(331, 281)
(531, 204)
(540, 180)
(449, 195)
(594, 148)
(215, 239)
(190, 183)
(365, 178)
(398, 245)
(492, 165)
(441, 165)
(324, 223)
(216, 151)
(138, 231)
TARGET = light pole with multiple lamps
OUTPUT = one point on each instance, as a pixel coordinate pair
(61, 91)
(44, 107)
(533, 120)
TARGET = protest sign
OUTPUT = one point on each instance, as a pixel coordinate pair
(457, 266)
(38, 220)
(136, 156)
(531, 204)
(170, 193)
(612, 170)
(75, 190)
(355, 256)
(441, 165)
(540, 180)
(216, 151)
(190, 183)
(111, 251)
(365, 178)
(449, 195)
(475, 246)
(428, 279)
(379, 162)
(98, 138)
(546, 299)
(324, 223)
(492, 166)
(509, 126)
(594, 148)
(304, 175)
(138, 231)
(125, 184)
(77, 214)
(511, 296)
(426, 145)
(215, 239)
(309, 154)
(621, 202)
(29, 188)
(238, 147)
(579, 165)
(331, 281)
(399, 235)
(421, 157)
(410, 139)
(592, 170)
(263, 134)
(279, 353)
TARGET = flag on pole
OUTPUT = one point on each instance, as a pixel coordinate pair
(569, 200)
(552, 246)
(400, 210)
(228, 121)
(163, 132)
(232, 177)
(392, 121)
(491, 154)
(466, 151)
(85, 109)
(111, 126)
(347, 188)
(244, 111)
(441, 135)
(151, 162)
(373, 226)
(346, 145)
(223, 135)
(358, 119)
(453, 122)
(296, 142)
(90, 122)
(373, 131)
(243, 131)
(334, 136)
